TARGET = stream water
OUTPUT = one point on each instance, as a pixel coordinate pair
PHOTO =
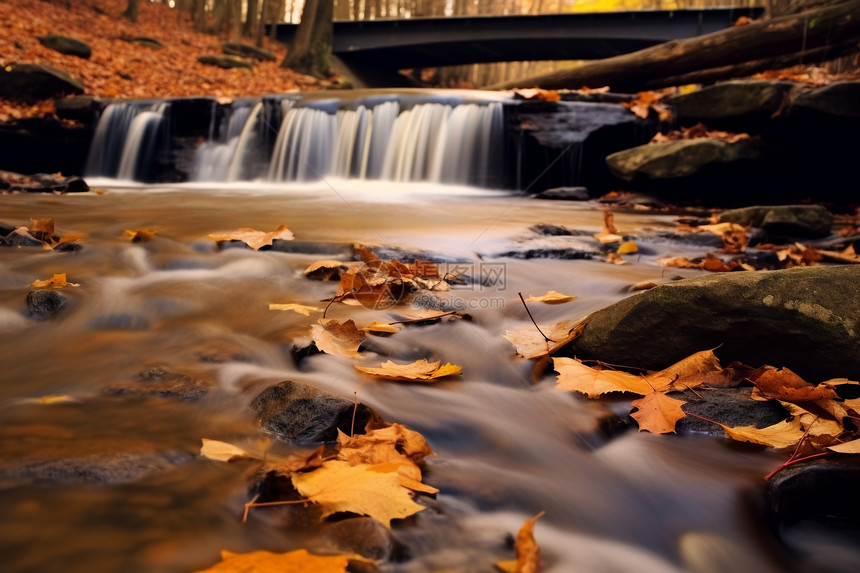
(107, 482)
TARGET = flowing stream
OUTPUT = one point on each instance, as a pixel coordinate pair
(101, 481)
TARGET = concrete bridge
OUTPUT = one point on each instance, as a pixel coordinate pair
(388, 45)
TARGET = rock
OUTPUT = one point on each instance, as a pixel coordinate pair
(247, 51)
(813, 221)
(80, 108)
(571, 247)
(362, 535)
(292, 411)
(840, 99)
(21, 238)
(41, 183)
(224, 62)
(114, 468)
(162, 382)
(34, 82)
(675, 159)
(820, 489)
(730, 406)
(144, 41)
(733, 100)
(66, 45)
(564, 194)
(69, 247)
(45, 304)
(803, 318)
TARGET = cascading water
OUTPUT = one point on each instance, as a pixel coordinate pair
(125, 140)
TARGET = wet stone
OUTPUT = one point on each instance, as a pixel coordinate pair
(21, 238)
(69, 247)
(162, 382)
(295, 412)
(362, 535)
(97, 469)
(564, 194)
(729, 406)
(45, 304)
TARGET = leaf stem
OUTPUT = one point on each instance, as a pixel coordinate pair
(791, 461)
(545, 337)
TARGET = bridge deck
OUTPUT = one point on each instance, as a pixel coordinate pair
(427, 42)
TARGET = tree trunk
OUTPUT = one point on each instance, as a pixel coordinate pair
(831, 28)
(311, 47)
(131, 10)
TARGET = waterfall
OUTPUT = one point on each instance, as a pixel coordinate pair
(125, 140)
(374, 138)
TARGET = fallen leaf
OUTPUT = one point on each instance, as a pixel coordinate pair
(780, 435)
(42, 229)
(528, 551)
(252, 237)
(687, 373)
(338, 338)
(418, 371)
(644, 285)
(299, 308)
(298, 561)
(372, 490)
(575, 376)
(783, 384)
(394, 444)
(56, 281)
(615, 259)
(627, 248)
(658, 413)
(379, 328)
(847, 255)
(138, 235)
(551, 297)
(852, 447)
(223, 451)
(56, 399)
(529, 343)
(609, 234)
(325, 270)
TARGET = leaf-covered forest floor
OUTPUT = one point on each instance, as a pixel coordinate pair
(120, 69)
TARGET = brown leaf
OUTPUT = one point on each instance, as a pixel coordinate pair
(658, 413)
(529, 343)
(42, 229)
(254, 238)
(139, 235)
(325, 270)
(687, 373)
(551, 297)
(528, 551)
(609, 234)
(418, 371)
(787, 386)
(575, 376)
(852, 447)
(338, 338)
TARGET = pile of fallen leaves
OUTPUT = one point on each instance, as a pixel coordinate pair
(120, 69)
(699, 131)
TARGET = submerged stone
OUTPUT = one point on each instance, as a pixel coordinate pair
(45, 304)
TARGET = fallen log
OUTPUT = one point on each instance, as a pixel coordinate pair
(834, 27)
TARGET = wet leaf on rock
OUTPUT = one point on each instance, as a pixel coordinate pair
(254, 238)
(58, 280)
(658, 413)
(338, 338)
(418, 371)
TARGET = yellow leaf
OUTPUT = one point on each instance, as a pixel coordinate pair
(627, 248)
(687, 373)
(528, 551)
(222, 451)
(254, 238)
(551, 297)
(56, 399)
(576, 376)
(418, 371)
(852, 447)
(658, 413)
(780, 435)
(392, 444)
(299, 308)
(379, 328)
(298, 561)
(362, 489)
(56, 281)
(338, 338)
(137, 235)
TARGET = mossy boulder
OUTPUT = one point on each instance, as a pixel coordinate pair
(805, 319)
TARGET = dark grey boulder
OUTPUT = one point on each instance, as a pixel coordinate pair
(66, 45)
(33, 82)
(729, 406)
(840, 99)
(564, 194)
(295, 412)
(45, 304)
(225, 62)
(732, 100)
(819, 489)
(675, 159)
(812, 221)
(247, 51)
(804, 318)
(365, 536)
(21, 238)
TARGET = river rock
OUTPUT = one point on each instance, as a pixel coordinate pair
(803, 318)
(819, 489)
(20, 237)
(45, 304)
(247, 51)
(729, 406)
(365, 536)
(813, 221)
(840, 99)
(33, 82)
(66, 45)
(225, 62)
(675, 159)
(296, 412)
(564, 194)
(164, 383)
(151, 43)
(733, 100)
